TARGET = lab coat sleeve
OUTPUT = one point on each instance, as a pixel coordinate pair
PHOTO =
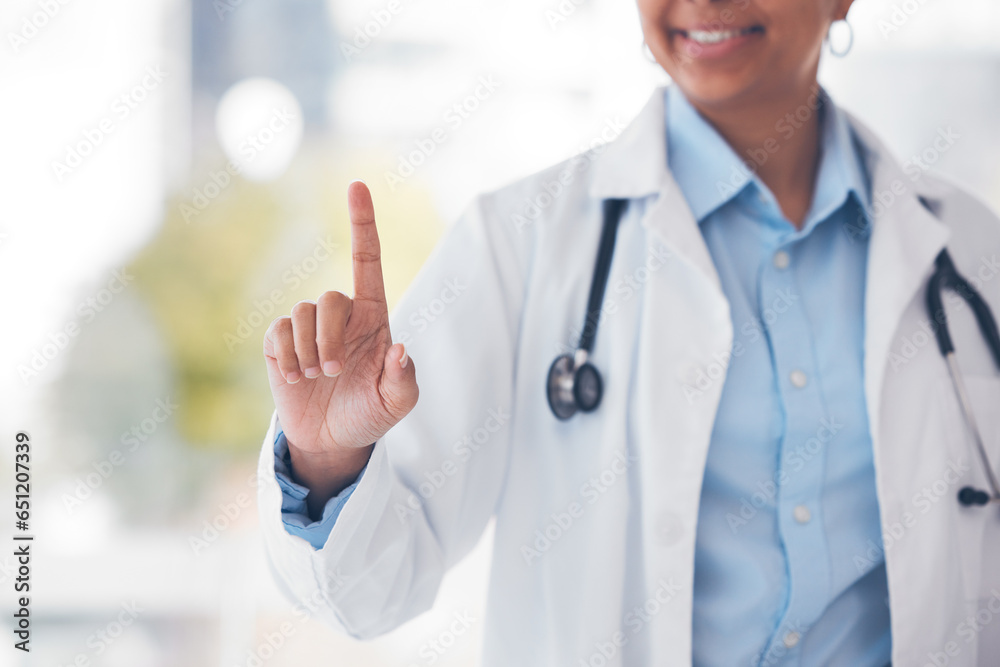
(294, 511)
(433, 481)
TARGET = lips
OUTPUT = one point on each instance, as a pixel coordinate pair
(710, 45)
(707, 37)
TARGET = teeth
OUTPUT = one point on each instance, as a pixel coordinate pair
(715, 36)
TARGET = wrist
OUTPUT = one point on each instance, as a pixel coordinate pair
(326, 473)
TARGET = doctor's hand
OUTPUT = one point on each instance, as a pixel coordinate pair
(339, 384)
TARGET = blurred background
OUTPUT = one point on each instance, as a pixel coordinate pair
(172, 177)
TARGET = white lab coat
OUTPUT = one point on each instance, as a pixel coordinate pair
(596, 516)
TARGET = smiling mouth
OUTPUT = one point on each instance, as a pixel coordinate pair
(718, 36)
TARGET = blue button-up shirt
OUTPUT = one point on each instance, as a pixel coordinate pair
(789, 515)
(788, 501)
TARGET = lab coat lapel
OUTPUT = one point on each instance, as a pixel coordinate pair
(685, 326)
(904, 242)
(635, 166)
(670, 218)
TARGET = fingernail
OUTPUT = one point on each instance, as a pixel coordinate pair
(332, 368)
(313, 372)
(293, 377)
(403, 360)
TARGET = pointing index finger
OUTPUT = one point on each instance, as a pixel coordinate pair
(365, 250)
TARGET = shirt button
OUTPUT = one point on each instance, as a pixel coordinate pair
(782, 260)
(799, 379)
(791, 639)
(802, 514)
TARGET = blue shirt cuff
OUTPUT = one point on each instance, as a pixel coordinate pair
(294, 513)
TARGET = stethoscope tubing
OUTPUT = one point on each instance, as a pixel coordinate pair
(970, 420)
(946, 276)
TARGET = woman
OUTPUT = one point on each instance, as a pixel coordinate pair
(760, 483)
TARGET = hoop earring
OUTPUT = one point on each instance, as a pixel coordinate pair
(840, 53)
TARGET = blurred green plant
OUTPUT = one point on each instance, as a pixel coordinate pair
(217, 274)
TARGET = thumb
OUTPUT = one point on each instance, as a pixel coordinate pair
(399, 382)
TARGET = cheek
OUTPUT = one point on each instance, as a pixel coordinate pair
(652, 15)
(794, 44)
(797, 27)
(803, 47)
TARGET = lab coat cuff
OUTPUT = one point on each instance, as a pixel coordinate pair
(294, 512)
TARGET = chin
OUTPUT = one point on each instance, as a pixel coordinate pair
(714, 88)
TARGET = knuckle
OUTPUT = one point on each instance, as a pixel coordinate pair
(280, 327)
(329, 346)
(305, 345)
(333, 299)
(365, 256)
(303, 309)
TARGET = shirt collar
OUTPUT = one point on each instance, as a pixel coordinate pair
(710, 173)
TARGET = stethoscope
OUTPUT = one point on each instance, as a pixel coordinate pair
(946, 276)
(575, 385)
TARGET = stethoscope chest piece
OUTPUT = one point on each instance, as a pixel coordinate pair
(972, 497)
(573, 385)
